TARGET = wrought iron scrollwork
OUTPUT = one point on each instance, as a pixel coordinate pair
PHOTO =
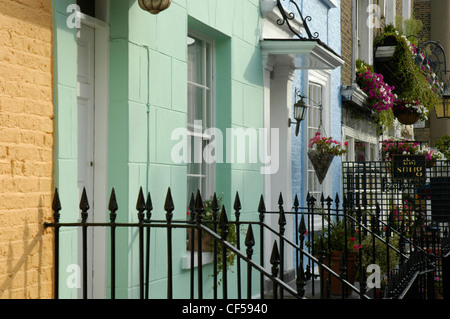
(289, 16)
(436, 58)
(435, 54)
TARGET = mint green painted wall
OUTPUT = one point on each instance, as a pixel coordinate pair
(147, 101)
(65, 101)
(150, 51)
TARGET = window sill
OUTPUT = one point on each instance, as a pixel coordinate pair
(207, 258)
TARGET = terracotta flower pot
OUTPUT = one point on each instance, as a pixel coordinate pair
(205, 241)
(335, 283)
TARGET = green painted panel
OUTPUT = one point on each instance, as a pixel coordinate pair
(140, 22)
(118, 132)
(159, 182)
(160, 80)
(138, 133)
(238, 103)
(118, 70)
(139, 68)
(61, 5)
(253, 106)
(70, 267)
(166, 123)
(179, 87)
(66, 122)
(68, 189)
(65, 52)
(178, 185)
(172, 32)
(252, 22)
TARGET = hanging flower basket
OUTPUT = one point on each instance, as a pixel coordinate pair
(409, 112)
(407, 117)
(321, 163)
(322, 151)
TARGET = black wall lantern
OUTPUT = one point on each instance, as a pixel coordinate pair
(300, 109)
(443, 110)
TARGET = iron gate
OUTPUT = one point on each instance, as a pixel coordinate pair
(411, 195)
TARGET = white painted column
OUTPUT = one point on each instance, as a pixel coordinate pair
(280, 111)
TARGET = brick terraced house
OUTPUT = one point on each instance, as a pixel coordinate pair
(26, 148)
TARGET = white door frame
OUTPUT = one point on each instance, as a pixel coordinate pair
(98, 287)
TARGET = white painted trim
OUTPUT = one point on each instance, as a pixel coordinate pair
(211, 169)
(101, 147)
(390, 12)
(207, 258)
(305, 54)
(323, 78)
(406, 9)
(362, 136)
(271, 29)
(331, 3)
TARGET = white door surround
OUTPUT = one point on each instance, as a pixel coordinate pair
(93, 48)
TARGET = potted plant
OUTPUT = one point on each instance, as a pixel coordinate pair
(380, 258)
(322, 151)
(207, 241)
(337, 241)
(409, 112)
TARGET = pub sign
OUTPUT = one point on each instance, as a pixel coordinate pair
(409, 166)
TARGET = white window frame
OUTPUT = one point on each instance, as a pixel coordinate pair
(350, 135)
(323, 79)
(208, 171)
(363, 44)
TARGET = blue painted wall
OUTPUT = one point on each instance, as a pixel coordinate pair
(327, 23)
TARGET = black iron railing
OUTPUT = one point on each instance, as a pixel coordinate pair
(270, 269)
(368, 227)
(413, 211)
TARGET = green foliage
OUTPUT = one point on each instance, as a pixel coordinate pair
(337, 235)
(384, 120)
(409, 79)
(231, 237)
(410, 27)
(381, 249)
(443, 145)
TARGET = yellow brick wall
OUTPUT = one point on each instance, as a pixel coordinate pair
(26, 148)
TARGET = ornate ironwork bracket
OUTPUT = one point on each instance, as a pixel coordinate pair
(289, 16)
(436, 57)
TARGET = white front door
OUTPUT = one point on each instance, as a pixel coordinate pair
(89, 151)
(86, 110)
